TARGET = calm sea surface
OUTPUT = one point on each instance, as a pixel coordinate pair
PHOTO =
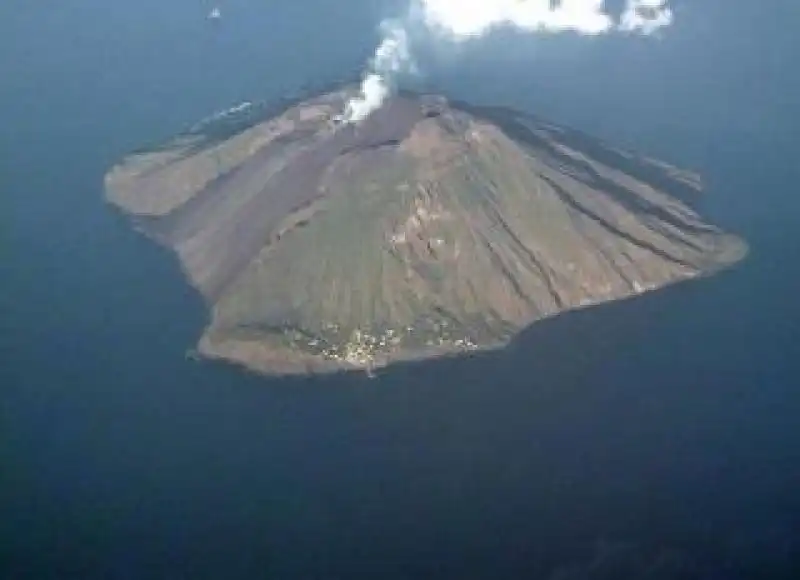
(657, 436)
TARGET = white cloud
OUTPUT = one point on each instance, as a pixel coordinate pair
(645, 16)
(460, 19)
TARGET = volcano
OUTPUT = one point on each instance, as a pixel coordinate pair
(431, 228)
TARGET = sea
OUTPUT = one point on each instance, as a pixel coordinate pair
(653, 438)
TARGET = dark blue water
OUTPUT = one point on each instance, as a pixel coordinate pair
(656, 438)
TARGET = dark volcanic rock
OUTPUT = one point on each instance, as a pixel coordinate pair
(430, 228)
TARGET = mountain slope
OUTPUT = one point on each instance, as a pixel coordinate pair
(430, 228)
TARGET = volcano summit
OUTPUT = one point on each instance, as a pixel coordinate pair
(430, 228)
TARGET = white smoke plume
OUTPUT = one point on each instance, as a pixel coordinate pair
(391, 57)
(462, 20)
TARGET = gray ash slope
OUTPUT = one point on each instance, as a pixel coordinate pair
(432, 227)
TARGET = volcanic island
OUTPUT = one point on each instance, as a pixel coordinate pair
(430, 228)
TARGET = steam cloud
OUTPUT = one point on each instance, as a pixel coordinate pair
(391, 57)
(462, 20)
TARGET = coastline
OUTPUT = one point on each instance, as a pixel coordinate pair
(275, 361)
